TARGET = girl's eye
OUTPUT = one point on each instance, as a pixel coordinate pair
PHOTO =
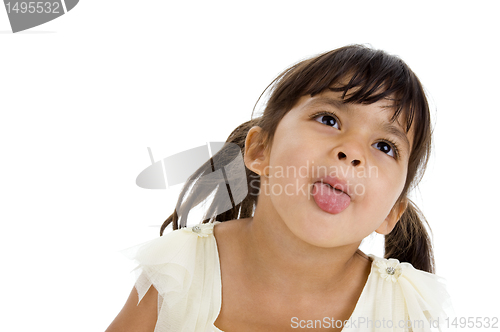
(385, 148)
(328, 120)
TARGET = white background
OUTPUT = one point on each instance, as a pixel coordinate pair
(83, 96)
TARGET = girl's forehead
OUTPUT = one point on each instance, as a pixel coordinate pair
(386, 106)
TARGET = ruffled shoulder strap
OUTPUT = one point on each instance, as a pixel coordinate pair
(405, 298)
(184, 267)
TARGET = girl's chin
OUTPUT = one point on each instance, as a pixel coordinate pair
(321, 234)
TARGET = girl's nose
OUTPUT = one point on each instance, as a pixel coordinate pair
(354, 162)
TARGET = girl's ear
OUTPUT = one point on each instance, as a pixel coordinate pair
(256, 155)
(393, 217)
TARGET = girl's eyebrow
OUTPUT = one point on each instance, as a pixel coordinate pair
(328, 101)
(387, 127)
(394, 130)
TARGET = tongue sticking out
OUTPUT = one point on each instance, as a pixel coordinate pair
(330, 200)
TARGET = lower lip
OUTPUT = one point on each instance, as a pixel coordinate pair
(330, 200)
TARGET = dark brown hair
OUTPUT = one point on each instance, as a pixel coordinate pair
(375, 75)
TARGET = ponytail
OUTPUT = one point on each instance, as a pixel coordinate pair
(196, 191)
(409, 241)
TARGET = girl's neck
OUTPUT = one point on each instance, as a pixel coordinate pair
(276, 256)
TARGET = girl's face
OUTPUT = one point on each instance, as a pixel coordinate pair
(352, 147)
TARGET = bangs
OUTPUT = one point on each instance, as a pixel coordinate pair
(371, 75)
(367, 75)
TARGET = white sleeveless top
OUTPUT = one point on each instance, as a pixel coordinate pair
(184, 267)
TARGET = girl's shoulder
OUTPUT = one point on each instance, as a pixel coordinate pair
(405, 276)
(397, 292)
(183, 265)
(177, 254)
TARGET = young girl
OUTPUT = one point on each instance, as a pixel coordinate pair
(343, 138)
